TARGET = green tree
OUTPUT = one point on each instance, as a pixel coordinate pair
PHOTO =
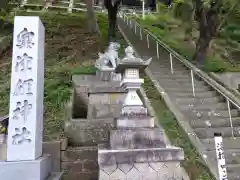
(211, 16)
(92, 21)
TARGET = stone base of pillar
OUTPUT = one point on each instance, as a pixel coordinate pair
(39, 169)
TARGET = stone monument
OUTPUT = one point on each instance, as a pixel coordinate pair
(137, 150)
(25, 131)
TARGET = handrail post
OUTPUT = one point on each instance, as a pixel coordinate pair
(193, 87)
(127, 20)
(147, 40)
(171, 63)
(140, 32)
(135, 28)
(130, 23)
(157, 50)
(230, 117)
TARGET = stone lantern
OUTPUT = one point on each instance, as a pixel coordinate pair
(137, 149)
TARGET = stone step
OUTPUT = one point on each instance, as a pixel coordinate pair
(228, 143)
(79, 166)
(170, 76)
(162, 71)
(80, 153)
(80, 175)
(175, 84)
(193, 100)
(225, 122)
(186, 90)
(181, 82)
(204, 133)
(233, 168)
(167, 67)
(206, 94)
(231, 156)
(199, 107)
(233, 176)
(211, 114)
(166, 63)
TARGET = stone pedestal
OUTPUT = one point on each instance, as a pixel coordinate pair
(38, 169)
(140, 164)
(136, 149)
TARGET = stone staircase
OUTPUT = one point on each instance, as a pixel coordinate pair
(205, 113)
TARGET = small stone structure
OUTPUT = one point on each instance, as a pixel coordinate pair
(136, 149)
(24, 144)
(96, 100)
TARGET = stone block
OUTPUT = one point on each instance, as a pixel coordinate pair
(54, 149)
(144, 122)
(106, 87)
(88, 132)
(110, 98)
(55, 176)
(111, 157)
(146, 171)
(3, 152)
(104, 75)
(80, 153)
(103, 111)
(138, 111)
(28, 170)
(137, 138)
(80, 176)
(80, 166)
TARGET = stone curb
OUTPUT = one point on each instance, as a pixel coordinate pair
(216, 78)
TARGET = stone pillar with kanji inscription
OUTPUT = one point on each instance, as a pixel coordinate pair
(27, 88)
(137, 149)
(25, 131)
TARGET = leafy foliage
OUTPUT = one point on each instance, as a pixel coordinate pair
(5, 6)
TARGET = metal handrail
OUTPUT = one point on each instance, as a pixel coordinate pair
(219, 88)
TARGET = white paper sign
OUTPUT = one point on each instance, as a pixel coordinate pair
(222, 170)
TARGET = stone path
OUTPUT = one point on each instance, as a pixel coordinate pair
(201, 115)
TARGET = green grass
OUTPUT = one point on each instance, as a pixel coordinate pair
(193, 163)
(223, 54)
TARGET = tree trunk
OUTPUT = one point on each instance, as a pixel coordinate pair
(112, 19)
(92, 21)
(201, 50)
(208, 20)
(112, 26)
